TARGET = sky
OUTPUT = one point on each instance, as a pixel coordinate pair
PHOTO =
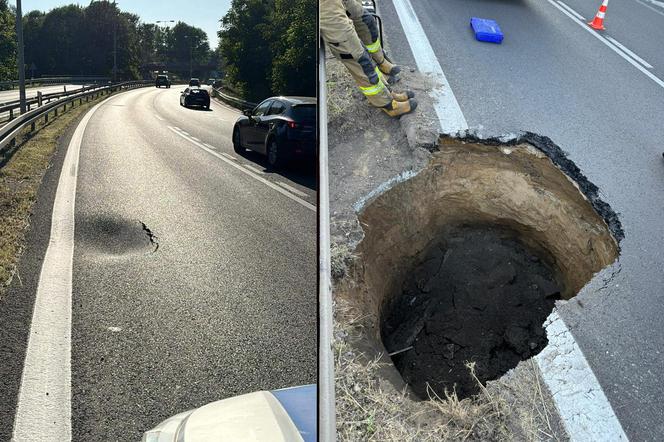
(204, 14)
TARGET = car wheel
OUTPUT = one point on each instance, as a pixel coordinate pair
(275, 158)
(237, 141)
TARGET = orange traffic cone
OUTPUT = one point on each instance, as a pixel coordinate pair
(598, 21)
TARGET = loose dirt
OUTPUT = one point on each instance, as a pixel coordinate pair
(476, 295)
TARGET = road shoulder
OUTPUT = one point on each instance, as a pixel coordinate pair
(17, 302)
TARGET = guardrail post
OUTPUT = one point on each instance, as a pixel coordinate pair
(56, 111)
(39, 99)
(46, 118)
(32, 127)
(11, 114)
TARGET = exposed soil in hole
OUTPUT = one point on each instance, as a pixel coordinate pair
(524, 202)
(476, 294)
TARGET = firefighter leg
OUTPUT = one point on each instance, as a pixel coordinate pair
(338, 31)
(367, 29)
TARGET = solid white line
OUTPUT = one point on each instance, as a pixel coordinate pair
(656, 3)
(248, 172)
(581, 402)
(651, 8)
(44, 403)
(292, 189)
(195, 139)
(210, 146)
(630, 53)
(158, 117)
(230, 157)
(255, 170)
(609, 44)
(576, 14)
(446, 105)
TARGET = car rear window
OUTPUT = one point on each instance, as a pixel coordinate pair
(304, 111)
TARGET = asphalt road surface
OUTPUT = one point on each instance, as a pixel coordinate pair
(221, 302)
(552, 77)
(13, 94)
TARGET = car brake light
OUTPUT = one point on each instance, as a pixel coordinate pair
(292, 124)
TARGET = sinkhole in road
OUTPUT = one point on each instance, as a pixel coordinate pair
(115, 236)
(463, 262)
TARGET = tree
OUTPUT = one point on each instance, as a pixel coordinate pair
(245, 49)
(7, 43)
(293, 29)
(268, 47)
(187, 44)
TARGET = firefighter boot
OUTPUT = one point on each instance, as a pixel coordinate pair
(387, 68)
(403, 96)
(398, 108)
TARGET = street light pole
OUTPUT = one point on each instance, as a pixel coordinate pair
(21, 56)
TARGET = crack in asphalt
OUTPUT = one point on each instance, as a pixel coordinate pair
(154, 239)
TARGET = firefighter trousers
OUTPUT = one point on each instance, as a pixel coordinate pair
(366, 28)
(340, 34)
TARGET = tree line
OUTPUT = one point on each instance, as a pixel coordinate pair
(7, 43)
(266, 47)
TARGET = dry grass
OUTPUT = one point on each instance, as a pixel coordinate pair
(20, 179)
(370, 408)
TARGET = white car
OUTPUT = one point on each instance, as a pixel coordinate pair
(286, 415)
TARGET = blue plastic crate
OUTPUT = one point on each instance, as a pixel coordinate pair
(486, 30)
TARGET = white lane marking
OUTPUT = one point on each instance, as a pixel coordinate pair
(562, 355)
(196, 139)
(651, 8)
(292, 189)
(613, 47)
(656, 3)
(446, 105)
(210, 146)
(44, 402)
(248, 172)
(572, 11)
(630, 53)
(581, 402)
(230, 157)
(183, 131)
(255, 170)
(158, 117)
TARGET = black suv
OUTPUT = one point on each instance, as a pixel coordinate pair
(280, 128)
(195, 96)
(162, 80)
(194, 82)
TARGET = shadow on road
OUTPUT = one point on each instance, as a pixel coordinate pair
(300, 171)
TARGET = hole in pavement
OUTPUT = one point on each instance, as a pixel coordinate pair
(115, 236)
(463, 262)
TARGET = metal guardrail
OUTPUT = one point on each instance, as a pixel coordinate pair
(233, 101)
(12, 107)
(10, 131)
(54, 80)
(326, 403)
